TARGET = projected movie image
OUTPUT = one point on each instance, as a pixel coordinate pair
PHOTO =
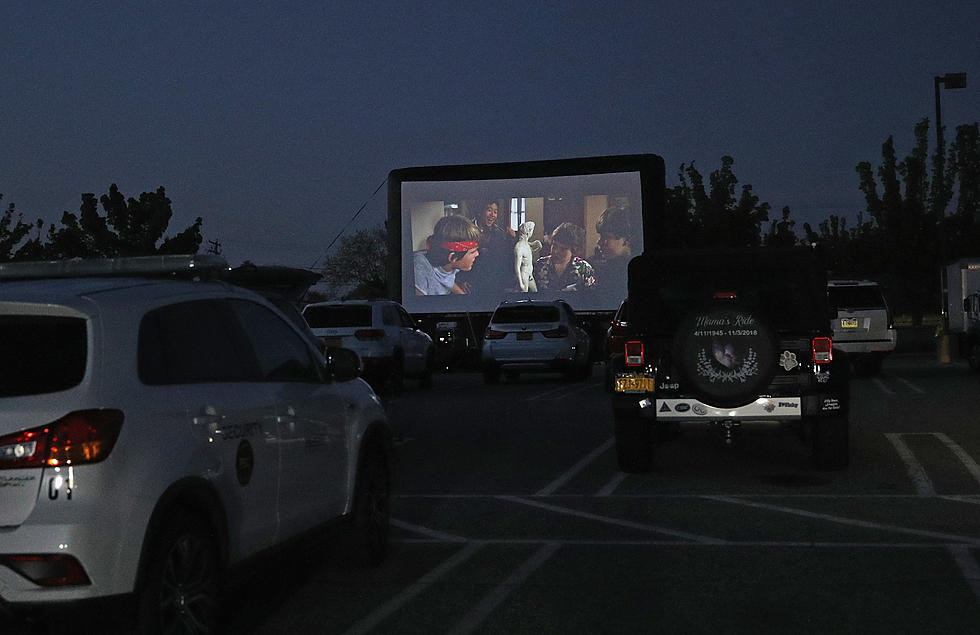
(467, 245)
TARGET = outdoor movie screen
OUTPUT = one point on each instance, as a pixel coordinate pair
(468, 243)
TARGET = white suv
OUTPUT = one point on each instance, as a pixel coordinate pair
(154, 431)
(863, 327)
(382, 332)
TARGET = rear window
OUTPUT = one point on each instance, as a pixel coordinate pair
(856, 297)
(41, 354)
(520, 314)
(320, 317)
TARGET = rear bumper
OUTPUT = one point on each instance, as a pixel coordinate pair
(864, 346)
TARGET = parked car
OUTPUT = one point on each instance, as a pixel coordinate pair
(157, 430)
(863, 326)
(529, 335)
(616, 343)
(382, 333)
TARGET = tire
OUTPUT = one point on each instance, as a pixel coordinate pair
(831, 445)
(396, 374)
(181, 588)
(634, 443)
(867, 365)
(973, 357)
(727, 354)
(370, 511)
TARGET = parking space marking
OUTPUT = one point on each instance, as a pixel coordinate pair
(629, 524)
(853, 522)
(369, 623)
(476, 616)
(923, 485)
(613, 483)
(961, 454)
(968, 566)
(911, 386)
(441, 536)
(882, 386)
(575, 469)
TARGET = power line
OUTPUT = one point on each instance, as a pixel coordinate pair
(353, 218)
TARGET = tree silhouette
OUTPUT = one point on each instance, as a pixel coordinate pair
(359, 269)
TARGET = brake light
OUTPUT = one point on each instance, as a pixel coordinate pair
(491, 334)
(78, 438)
(823, 350)
(634, 353)
(369, 334)
(561, 331)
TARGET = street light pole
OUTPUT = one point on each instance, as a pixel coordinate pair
(949, 80)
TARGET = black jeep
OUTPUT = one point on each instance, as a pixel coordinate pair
(732, 339)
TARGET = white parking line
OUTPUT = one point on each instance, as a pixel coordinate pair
(923, 485)
(911, 386)
(611, 486)
(475, 617)
(881, 386)
(961, 454)
(369, 623)
(441, 536)
(853, 522)
(968, 565)
(629, 524)
(575, 469)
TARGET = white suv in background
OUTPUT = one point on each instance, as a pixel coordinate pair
(863, 327)
(390, 344)
(156, 430)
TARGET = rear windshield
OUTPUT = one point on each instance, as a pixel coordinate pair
(338, 316)
(41, 354)
(520, 314)
(856, 297)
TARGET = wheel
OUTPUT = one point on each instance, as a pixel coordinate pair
(491, 373)
(867, 365)
(370, 511)
(727, 353)
(396, 374)
(425, 381)
(182, 584)
(974, 357)
(831, 446)
(634, 443)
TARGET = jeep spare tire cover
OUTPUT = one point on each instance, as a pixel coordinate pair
(726, 354)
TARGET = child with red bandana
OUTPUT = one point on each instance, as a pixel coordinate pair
(453, 247)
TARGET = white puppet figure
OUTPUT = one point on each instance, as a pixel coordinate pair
(524, 257)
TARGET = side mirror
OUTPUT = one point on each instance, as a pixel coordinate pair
(343, 364)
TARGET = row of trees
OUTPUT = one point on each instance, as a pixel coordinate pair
(123, 227)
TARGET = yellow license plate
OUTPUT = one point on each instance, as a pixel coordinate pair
(849, 323)
(634, 384)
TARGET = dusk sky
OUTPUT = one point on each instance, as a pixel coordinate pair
(277, 121)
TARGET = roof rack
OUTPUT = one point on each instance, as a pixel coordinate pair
(170, 266)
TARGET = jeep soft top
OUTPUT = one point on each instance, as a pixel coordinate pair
(732, 339)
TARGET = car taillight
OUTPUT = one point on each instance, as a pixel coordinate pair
(823, 350)
(369, 334)
(78, 438)
(491, 334)
(634, 353)
(561, 331)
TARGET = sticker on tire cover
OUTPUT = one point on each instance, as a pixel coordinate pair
(726, 354)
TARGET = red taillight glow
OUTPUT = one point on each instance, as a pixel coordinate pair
(491, 334)
(369, 334)
(823, 350)
(561, 331)
(634, 353)
(78, 438)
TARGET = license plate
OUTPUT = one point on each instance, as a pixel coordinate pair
(849, 323)
(523, 336)
(634, 384)
(332, 342)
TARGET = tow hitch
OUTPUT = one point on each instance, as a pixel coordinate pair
(730, 428)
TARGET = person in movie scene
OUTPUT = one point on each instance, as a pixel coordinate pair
(495, 269)
(564, 269)
(453, 247)
(615, 238)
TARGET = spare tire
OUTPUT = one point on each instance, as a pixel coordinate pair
(726, 354)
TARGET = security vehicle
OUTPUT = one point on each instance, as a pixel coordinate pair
(159, 425)
(863, 325)
(730, 340)
(529, 335)
(390, 344)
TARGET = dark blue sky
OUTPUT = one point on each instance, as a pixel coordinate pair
(276, 121)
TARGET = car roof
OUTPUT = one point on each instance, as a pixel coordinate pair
(851, 283)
